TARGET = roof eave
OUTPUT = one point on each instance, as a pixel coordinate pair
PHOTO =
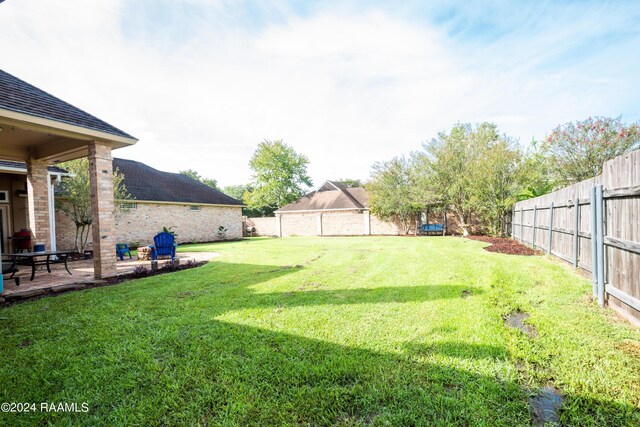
(161, 202)
(322, 210)
(31, 122)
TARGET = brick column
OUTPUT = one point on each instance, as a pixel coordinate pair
(38, 202)
(102, 207)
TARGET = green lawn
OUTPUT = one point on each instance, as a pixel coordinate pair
(325, 331)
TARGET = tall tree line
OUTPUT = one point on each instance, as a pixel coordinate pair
(477, 172)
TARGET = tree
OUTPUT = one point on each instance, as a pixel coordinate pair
(451, 162)
(75, 198)
(536, 176)
(235, 191)
(577, 150)
(210, 182)
(279, 174)
(350, 182)
(391, 193)
(472, 171)
(240, 192)
(500, 178)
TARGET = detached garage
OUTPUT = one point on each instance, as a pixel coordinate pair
(334, 209)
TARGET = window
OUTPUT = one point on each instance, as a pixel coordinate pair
(4, 197)
(129, 205)
(194, 208)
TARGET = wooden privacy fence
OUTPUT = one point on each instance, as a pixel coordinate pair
(595, 226)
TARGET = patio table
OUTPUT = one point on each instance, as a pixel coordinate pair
(30, 258)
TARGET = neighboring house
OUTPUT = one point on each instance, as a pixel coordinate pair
(334, 209)
(193, 210)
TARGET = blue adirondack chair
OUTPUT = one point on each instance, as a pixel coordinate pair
(122, 249)
(164, 246)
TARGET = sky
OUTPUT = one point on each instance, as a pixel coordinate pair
(347, 83)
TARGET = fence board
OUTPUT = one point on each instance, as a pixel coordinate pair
(566, 233)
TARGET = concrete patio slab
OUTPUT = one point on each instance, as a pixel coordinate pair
(82, 275)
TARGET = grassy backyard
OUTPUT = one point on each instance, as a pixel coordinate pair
(325, 331)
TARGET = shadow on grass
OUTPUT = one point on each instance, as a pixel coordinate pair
(221, 373)
(458, 349)
(234, 283)
(151, 360)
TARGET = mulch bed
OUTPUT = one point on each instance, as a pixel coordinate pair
(505, 246)
(163, 268)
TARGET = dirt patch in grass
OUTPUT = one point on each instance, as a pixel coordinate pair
(504, 246)
(631, 347)
(516, 320)
(545, 405)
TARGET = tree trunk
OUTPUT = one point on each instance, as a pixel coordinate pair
(463, 224)
(82, 235)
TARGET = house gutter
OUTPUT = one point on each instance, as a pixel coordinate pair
(9, 169)
(180, 203)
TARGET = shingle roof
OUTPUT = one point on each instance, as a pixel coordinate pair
(23, 166)
(19, 96)
(148, 184)
(330, 196)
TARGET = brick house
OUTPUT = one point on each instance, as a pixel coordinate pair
(39, 130)
(194, 210)
(334, 209)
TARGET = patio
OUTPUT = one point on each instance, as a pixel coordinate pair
(82, 275)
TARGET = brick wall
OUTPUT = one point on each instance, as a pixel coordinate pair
(299, 224)
(141, 224)
(342, 223)
(264, 226)
(333, 223)
(380, 227)
(339, 223)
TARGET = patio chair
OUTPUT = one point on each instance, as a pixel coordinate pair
(9, 266)
(164, 246)
(122, 249)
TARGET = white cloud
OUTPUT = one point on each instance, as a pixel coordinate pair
(346, 89)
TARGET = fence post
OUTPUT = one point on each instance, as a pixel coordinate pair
(600, 249)
(550, 227)
(594, 243)
(319, 224)
(533, 237)
(521, 224)
(279, 225)
(576, 246)
(513, 220)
